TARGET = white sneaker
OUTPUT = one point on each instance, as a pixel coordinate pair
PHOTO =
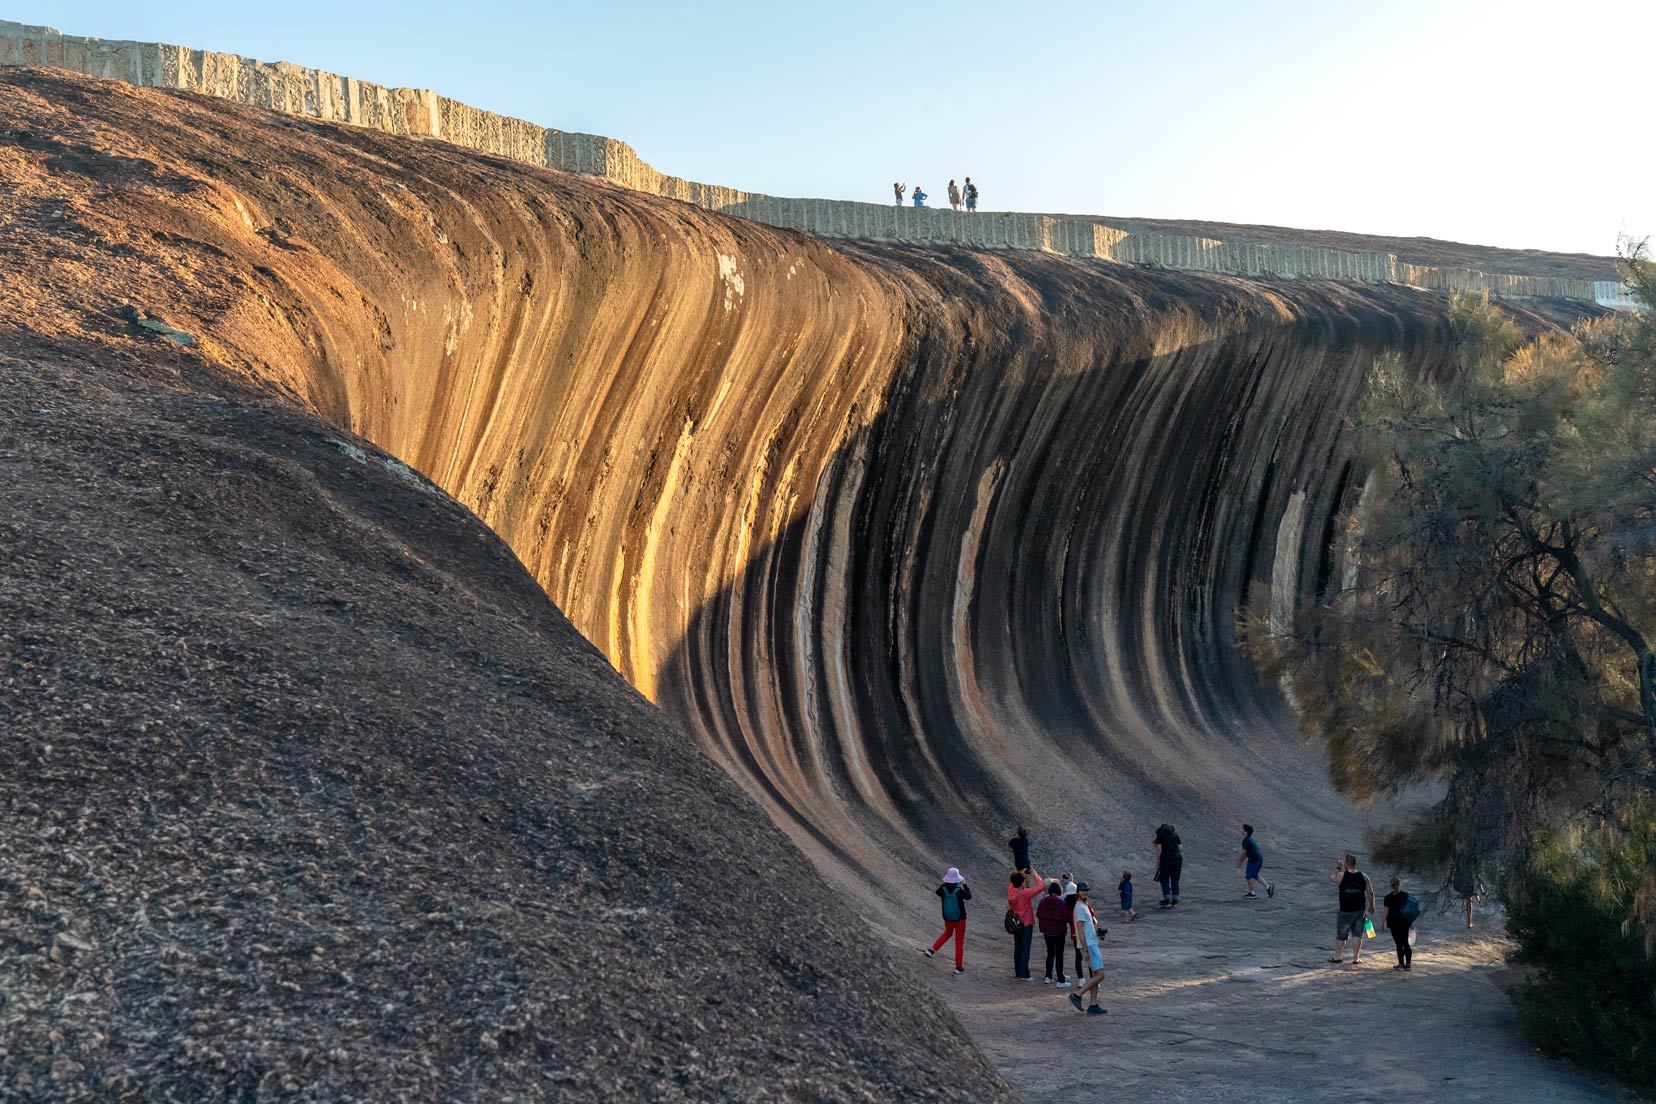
(1063, 985)
(1046, 981)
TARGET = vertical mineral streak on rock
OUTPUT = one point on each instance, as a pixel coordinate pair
(1285, 567)
(979, 727)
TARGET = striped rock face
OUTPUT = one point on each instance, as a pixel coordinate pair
(908, 539)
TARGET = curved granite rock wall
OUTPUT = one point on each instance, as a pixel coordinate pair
(901, 535)
(411, 112)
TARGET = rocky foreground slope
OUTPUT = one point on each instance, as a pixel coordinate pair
(905, 540)
(306, 789)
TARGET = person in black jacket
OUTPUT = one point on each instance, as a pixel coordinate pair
(954, 893)
(1169, 863)
(1052, 917)
(1020, 849)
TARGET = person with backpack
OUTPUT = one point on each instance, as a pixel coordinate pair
(971, 196)
(1021, 895)
(1398, 914)
(1169, 863)
(955, 893)
(1356, 892)
(1020, 850)
(1088, 936)
(1053, 919)
(1253, 859)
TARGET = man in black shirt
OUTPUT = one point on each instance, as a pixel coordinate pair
(1356, 892)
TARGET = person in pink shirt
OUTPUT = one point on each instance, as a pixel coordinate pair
(1021, 895)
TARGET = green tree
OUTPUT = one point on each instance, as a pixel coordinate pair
(1497, 635)
(1495, 641)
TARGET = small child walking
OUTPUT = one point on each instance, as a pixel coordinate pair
(1126, 888)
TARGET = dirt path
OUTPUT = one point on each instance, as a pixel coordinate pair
(1235, 1000)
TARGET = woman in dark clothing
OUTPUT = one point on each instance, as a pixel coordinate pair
(1394, 917)
(1052, 917)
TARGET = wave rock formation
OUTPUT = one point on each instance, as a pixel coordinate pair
(901, 535)
(914, 542)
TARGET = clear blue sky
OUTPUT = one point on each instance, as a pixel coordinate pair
(1502, 122)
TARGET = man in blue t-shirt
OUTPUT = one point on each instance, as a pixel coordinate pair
(1251, 861)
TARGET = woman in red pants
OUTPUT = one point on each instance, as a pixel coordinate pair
(955, 893)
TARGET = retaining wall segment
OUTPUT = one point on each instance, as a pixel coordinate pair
(421, 113)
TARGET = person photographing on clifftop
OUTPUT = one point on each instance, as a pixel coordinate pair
(899, 189)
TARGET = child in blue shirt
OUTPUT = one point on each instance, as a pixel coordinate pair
(1126, 888)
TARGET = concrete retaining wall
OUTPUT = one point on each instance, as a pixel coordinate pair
(293, 89)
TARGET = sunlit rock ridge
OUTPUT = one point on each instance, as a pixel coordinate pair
(1205, 247)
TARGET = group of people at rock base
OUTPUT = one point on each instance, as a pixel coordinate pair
(1062, 908)
(959, 195)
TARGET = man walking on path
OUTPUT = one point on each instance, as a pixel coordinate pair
(1021, 895)
(899, 189)
(955, 893)
(1086, 925)
(971, 196)
(1253, 859)
(1169, 864)
(1053, 917)
(1020, 850)
(1356, 905)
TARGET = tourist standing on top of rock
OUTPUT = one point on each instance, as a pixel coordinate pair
(920, 196)
(1399, 911)
(899, 189)
(1053, 919)
(1020, 849)
(1021, 895)
(954, 195)
(955, 893)
(971, 195)
(1086, 924)
(1253, 859)
(1169, 863)
(1355, 891)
